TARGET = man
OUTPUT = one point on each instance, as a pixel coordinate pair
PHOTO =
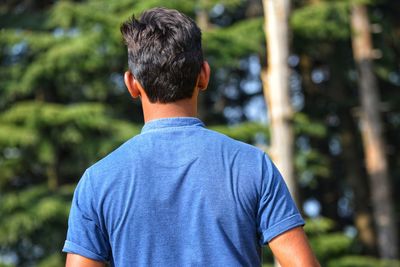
(178, 194)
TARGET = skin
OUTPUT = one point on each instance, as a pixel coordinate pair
(75, 260)
(291, 248)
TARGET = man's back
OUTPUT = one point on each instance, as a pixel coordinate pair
(180, 195)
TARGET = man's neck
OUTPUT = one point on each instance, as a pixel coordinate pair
(180, 108)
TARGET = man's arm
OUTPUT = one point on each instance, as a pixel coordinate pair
(75, 260)
(291, 249)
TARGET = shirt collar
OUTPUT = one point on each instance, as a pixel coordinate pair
(171, 123)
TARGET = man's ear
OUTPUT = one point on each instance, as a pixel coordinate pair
(204, 76)
(132, 84)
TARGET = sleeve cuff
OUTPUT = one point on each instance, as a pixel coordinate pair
(70, 247)
(281, 227)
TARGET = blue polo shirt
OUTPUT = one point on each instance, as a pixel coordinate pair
(179, 194)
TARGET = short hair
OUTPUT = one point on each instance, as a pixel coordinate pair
(164, 53)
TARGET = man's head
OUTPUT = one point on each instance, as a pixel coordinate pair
(165, 54)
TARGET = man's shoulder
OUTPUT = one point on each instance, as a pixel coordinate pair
(115, 160)
(231, 142)
(207, 141)
(206, 136)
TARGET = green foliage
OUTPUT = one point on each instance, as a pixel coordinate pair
(335, 249)
(209, 4)
(242, 38)
(311, 162)
(325, 243)
(304, 125)
(318, 226)
(184, 5)
(54, 260)
(28, 219)
(11, 135)
(83, 131)
(245, 132)
(323, 20)
(330, 245)
(362, 261)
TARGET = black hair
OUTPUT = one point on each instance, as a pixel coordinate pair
(164, 53)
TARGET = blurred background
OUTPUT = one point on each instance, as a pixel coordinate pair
(315, 83)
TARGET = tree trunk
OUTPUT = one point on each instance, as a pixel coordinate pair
(276, 88)
(371, 131)
(202, 21)
(356, 177)
(363, 218)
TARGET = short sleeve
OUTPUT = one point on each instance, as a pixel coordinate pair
(84, 236)
(277, 212)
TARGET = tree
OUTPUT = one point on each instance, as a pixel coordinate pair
(276, 89)
(372, 133)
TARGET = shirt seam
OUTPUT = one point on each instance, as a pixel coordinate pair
(281, 221)
(72, 247)
(166, 128)
(275, 226)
